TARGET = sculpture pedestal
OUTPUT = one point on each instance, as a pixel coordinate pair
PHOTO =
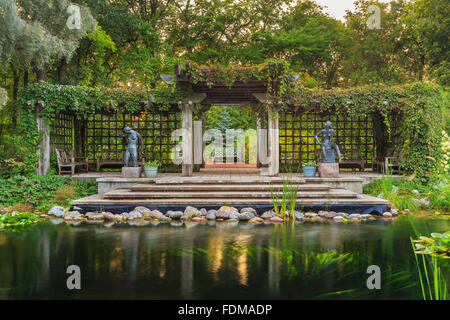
(132, 172)
(328, 170)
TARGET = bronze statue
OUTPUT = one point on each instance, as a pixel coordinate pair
(328, 147)
(131, 153)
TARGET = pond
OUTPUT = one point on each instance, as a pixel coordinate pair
(216, 260)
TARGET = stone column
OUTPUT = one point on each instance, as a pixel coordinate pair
(273, 144)
(44, 144)
(198, 145)
(259, 142)
(188, 146)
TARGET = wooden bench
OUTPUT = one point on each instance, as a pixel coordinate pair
(390, 163)
(66, 159)
(113, 157)
(350, 158)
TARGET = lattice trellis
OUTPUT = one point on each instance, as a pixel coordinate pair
(62, 132)
(103, 132)
(297, 142)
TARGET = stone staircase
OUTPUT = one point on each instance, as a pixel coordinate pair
(210, 192)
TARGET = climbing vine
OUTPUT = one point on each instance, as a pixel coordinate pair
(418, 105)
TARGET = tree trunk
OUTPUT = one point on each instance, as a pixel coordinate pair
(25, 79)
(41, 73)
(62, 70)
(16, 76)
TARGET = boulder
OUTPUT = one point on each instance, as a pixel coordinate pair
(342, 214)
(267, 215)
(276, 219)
(191, 212)
(203, 212)
(220, 214)
(57, 211)
(311, 215)
(234, 215)
(133, 215)
(73, 216)
(143, 210)
(256, 220)
(338, 218)
(327, 214)
(228, 209)
(298, 215)
(387, 215)
(156, 214)
(249, 209)
(355, 216)
(94, 216)
(211, 215)
(246, 216)
(198, 219)
(366, 216)
(394, 212)
(175, 214)
(108, 216)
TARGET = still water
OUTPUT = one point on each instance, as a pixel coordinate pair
(213, 260)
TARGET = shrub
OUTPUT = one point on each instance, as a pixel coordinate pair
(65, 193)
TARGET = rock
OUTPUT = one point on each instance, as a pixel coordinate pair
(355, 216)
(175, 214)
(338, 218)
(44, 216)
(234, 215)
(298, 215)
(191, 212)
(198, 219)
(94, 216)
(394, 212)
(142, 210)
(133, 215)
(251, 210)
(203, 212)
(73, 216)
(276, 219)
(57, 211)
(328, 170)
(108, 216)
(233, 220)
(156, 214)
(387, 215)
(75, 208)
(256, 220)
(267, 215)
(416, 192)
(342, 214)
(246, 216)
(212, 211)
(327, 214)
(220, 214)
(163, 218)
(211, 215)
(366, 216)
(228, 209)
(311, 215)
(424, 202)
(176, 224)
(168, 213)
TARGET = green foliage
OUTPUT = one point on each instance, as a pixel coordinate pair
(40, 191)
(437, 244)
(152, 163)
(311, 163)
(17, 221)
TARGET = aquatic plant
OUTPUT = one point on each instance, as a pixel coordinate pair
(432, 281)
(437, 244)
(17, 221)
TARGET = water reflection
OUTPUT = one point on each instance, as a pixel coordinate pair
(210, 260)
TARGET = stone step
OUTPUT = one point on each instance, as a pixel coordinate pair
(129, 194)
(214, 180)
(99, 200)
(224, 187)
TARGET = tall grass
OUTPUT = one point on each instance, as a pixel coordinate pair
(428, 268)
(285, 207)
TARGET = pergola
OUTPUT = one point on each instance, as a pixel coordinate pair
(283, 138)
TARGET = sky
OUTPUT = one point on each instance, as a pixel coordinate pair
(336, 8)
